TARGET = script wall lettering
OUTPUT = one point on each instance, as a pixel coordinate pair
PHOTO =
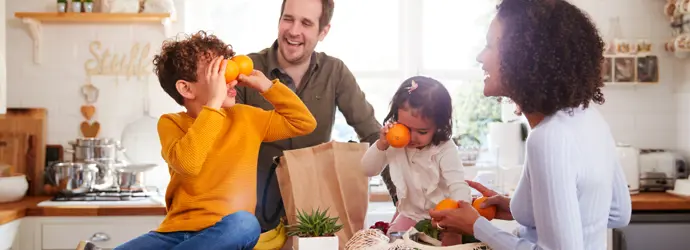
(104, 63)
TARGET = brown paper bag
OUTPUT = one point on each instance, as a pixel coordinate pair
(328, 175)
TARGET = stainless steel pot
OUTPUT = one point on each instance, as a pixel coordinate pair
(73, 177)
(87, 149)
(131, 177)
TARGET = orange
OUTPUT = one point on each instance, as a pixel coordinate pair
(446, 204)
(398, 136)
(231, 71)
(245, 64)
(489, 212)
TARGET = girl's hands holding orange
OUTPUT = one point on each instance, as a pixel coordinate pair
(382, 144)
(255, 80)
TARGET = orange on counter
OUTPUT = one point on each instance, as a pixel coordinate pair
(245, 64)
(231, 71)
(398, 136)
(446, 204)
(489, 212)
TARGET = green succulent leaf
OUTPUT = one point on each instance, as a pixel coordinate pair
(317, 223)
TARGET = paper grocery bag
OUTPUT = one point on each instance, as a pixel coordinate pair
(330, 176)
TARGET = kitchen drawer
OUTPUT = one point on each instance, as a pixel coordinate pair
(105, 235)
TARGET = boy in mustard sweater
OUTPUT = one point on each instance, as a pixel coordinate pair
(211, 149)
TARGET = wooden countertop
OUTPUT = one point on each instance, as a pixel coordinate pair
(659, 201)
(28, 207)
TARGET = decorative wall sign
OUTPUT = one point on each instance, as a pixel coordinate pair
(104, 63)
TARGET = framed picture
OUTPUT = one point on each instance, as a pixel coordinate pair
(607, 69)
(648, 69)
(624, 70)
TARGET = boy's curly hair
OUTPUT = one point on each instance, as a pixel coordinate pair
(551, 56)
(180, 59)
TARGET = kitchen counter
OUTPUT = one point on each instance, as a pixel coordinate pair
(28, 207)
(659, 201)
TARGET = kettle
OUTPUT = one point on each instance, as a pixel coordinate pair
(629, 161)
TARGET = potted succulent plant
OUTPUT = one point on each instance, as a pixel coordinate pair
(315, 230)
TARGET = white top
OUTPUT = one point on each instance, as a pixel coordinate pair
(572, 187)
(422, 177)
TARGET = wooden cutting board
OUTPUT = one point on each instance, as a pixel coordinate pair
(32, 123)
(14, 150)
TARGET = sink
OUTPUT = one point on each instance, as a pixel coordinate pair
(8, 233)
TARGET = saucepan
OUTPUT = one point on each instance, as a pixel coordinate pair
(72, 177)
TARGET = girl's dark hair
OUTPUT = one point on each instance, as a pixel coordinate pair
(432, 100)
(551, 56)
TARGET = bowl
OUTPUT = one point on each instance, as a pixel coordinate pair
(13, 188)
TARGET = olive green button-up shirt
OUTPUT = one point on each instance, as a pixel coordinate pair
(328, 84)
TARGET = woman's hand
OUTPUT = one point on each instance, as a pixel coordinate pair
(458, 220)
(382, 143)
(255, 80)
(501, 202)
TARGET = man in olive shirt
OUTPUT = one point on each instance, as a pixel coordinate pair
(321, 81)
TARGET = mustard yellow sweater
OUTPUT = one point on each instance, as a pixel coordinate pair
(212, 158)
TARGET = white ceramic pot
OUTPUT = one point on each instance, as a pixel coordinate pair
(13, 188)
(316, 243)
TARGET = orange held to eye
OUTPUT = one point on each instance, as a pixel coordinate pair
(231, 71)
(245, 64)
(239, 64)
(398, 136)
(446, 204)
(489, 212)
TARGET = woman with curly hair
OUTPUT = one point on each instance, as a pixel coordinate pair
(546, 56)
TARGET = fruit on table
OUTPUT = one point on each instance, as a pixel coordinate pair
(488, 212)
(239, 64)
(446, 204)
(398, 135)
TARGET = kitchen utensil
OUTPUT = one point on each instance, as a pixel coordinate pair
(13, 150)
(89, 93)
(73, 177)
(88, 111)
(660, 168)
(141, 137)
(629, 160)
(13, 188)
(132, 177)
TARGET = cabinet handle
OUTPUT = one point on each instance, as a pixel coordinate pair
(99, 237)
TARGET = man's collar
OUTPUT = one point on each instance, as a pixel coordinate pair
(273, 59)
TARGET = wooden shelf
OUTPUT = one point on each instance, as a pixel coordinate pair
(71, 17)
(35, 20)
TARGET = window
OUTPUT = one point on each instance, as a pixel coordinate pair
(382, 42)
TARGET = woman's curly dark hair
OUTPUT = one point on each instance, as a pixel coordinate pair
(180, 59)
(432, 100)
(551, 56)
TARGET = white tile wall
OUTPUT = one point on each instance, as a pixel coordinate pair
(55, 84)
(644, 116)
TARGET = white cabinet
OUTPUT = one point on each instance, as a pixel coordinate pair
(57, 233)
(8, 233)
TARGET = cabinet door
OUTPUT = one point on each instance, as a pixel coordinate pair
(105, 232)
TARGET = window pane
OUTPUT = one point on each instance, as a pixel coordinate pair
(454, 32)
(379, 92)
(248, 26)
(365, 35)
(471, 109)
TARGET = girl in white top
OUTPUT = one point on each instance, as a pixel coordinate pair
(429, 168)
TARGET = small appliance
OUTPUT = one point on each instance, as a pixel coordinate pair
(629, 159)
(660, 168)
